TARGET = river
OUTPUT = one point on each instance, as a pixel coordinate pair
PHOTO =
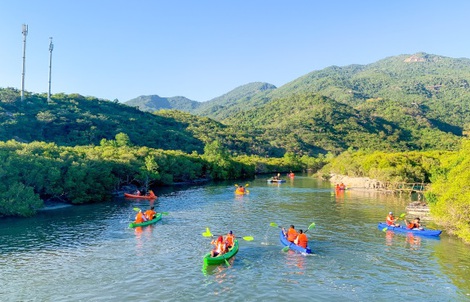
(88, 253)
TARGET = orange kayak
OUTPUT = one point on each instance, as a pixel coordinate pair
(240, 192)
(127, 195)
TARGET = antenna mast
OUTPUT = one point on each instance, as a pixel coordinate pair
(25, 33)
(51, 47)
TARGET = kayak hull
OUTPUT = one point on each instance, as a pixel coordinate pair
(432, 233)
(157, 217)
(127, 195)
(238, 192)
(208, 260)
(294, 246)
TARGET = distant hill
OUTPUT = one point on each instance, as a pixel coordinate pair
(218, 108)
(154, 102)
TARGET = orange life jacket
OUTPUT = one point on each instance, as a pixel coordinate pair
(291, 234)
(150, 214)
(390, 219)
(302, 240)
(151, 194)
(139, 218)
(229, 240)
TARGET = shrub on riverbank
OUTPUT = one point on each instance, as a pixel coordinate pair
(450, 192)
(31, 173)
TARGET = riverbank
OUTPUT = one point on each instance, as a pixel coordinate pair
(414, 209)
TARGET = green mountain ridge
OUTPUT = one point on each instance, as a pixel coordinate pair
(407, 102)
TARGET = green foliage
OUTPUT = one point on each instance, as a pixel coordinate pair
(410, 166)
(450, 191)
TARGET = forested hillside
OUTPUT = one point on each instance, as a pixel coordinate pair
(436, 84)
(310, 124)
(75, 120)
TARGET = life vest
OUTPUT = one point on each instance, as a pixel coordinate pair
(302, 240)
(390, 219)
(151, 194)
(291, 234)
(150, 214)
(229, 240)
(139, 218)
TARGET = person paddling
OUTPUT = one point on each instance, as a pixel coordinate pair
(219, 247)
(229, 240)
(150, 213)
(302, 239)
(414, 225)
(291, 233)
(140, 217)
(391, 220)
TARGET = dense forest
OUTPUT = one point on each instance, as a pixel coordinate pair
(404, 118)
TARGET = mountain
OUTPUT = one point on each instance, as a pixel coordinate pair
(406, 102)
(154, 102)
(218, 108)
(239, 99)
(437, 84)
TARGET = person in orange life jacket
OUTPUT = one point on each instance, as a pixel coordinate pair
(291, 233)
(219, 246)
(140, 217)
(391, 220)
(229, 240)
(414, 225)
(301, 239)
(150, 213)
(241, 189)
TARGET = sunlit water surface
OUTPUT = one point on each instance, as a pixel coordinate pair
(88, 253)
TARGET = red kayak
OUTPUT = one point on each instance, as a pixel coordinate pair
(127, 195)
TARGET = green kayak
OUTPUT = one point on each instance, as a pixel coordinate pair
(208, 260)
(157, 217)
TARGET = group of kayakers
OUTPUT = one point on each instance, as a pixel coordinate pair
(145, 216)
(222, 244)
(414, 224)
(298, 238)
(340, 186)
(149, 193)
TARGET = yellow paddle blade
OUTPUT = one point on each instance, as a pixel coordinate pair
(384, 229)
(248, 238)
(273, 224)
(207, 233)
(236, 185)
(136, 209)
(247, 185)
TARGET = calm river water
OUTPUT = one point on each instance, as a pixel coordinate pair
(88, 253)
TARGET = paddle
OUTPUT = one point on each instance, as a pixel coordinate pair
(401, 216)
(163, 213)
(246, 190)
(311, 226)
(208, 233)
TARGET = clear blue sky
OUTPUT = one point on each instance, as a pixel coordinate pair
(201, 49)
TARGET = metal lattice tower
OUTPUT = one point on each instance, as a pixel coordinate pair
(25, 33)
